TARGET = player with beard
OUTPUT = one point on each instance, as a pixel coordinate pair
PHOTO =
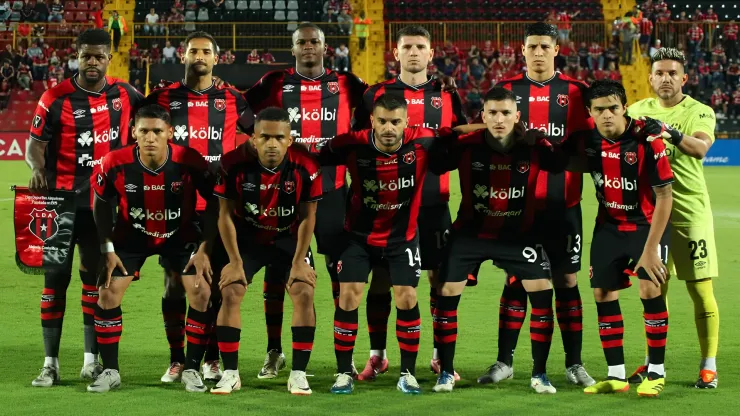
(689, 133)
(75, 124)
(431, 107)
(204, 117)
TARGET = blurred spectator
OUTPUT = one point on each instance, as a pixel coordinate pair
(391, 69)
(227, 58)
(341, 63)
(719, 52)
(24, 32)
(488, 54)
(139, 87)
(692, 84)
(5, 91)
(474, 52)
(735, 103)
(169, 53)
(180, 51)
(476, 72)
(155, 54)
(362, 29)
(27, 12)
(596, 58)
(267, 57)
(8, 54)
(345, 22)
(253, 57)
(35, 50)
(730, 36)
(646, 28)
(694, 38)
(63, 29)
(175, 21)
(177, 5)
(152, 23)
(54, 59)
(345, 6)
(711, 19)
(24, 77)
(733, 75)
(451, 51)
(611, 55)
(117, 24)
(217, 5)
(41, 12)
(449, 68)
(628, 32)
(612, 73)
(56, 11)
(564, 25)
(507, 55)
(717, 71)
(96, 18)
(38, 30)
(40, 67)
(705, 75)
(329, 57)
(719, 102)
(7, 73)
(475, 101)
(583, 55)
(73, 63)
(573, 61)
(134, 56)
(656, 48)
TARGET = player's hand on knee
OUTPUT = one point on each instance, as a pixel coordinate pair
(653, 266)
(302, 272)
(232, 273)
(202, 265)
(112, 262)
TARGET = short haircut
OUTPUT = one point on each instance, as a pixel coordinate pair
(307, 25)
(153, 111)
(202, 35)
(273, 114)
(499, 94)
(668, 54)
(97, 37)
(389, 102)
(413, 30)
(541, 29)
(606, 88)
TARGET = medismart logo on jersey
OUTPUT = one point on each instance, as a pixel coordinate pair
(550, 129)
(398, 184)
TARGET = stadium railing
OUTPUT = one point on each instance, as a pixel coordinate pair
(673, 33)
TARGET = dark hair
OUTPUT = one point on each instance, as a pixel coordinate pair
(272, 114)
(95, 37)
(202, 35)
(668, 54)
(606, 88)
(153, 111)
(499, 94)
(389, 102)
(541, 29)
(413, 30)
(309, 25)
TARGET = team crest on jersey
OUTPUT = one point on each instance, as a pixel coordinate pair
(117, 104)
(220, 104)
(523, 167)
(630, 157)
(409, 158)
(176, 187)
(437, 102)
(562, 100)
(43, 223)
(339, 266)
(333, 87)
(289, 187)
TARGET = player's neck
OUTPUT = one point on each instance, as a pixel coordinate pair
(198, 82)
(90, 87)
(153, 162)
(310, 71)
(269, 164)
(673, 101)
(413, 79)
(500, 145)
(386, 149)
(541, 76)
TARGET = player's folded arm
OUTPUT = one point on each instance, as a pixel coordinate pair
(444, 153)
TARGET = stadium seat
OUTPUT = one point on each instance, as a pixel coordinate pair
(69, 6)
(292, 26)
(15, 16)
(203, 14)
(279, 15)
(81, 16)
(17, 5)
(229, 5)
(292, 5)
(292, 15)
(242, 5)
(191, 5)
(190, 16)
(83, 5)
(254, 5)
(280, 5)
(267, 5)
(69, 16)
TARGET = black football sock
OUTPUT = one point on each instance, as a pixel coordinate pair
(540, 329)
(569, 309)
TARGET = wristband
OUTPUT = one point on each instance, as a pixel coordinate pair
(677, 140)
(107, 248)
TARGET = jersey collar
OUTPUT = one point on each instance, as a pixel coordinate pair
(201, 92)
(100, 92)
(295, 71)
(156, 171)
(277, 168)
(626, 131)
(430, 78)
(542, 83)
(372, 142)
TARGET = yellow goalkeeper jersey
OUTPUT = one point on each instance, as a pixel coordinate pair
(690, 197)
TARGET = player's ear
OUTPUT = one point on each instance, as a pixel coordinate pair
(395, 54)
(557, 49)
(684, 79)
(518, 116)
(169, 133)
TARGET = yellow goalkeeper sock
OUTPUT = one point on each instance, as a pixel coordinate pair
(706, 314)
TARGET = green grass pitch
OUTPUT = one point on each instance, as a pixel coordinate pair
(144, 351)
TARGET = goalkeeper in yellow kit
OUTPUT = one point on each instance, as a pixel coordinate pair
(687, 126)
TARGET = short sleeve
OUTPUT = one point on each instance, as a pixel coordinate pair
(704, 121)
(364, 109)
(103, 180)
(336, 151)
(661, 173)
(312, 190)
(458, 112)
(225, 183)
(203, 179)
(42, 124)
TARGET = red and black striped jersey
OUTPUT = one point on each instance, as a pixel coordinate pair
(428, 106)
(203, 120)
(385, 189)
(80, 128)
(498, 188)
(320, 108)
(268, 200)
(625, 171)
(556, 107)
(154, 205)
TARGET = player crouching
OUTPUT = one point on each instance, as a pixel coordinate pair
(633, 188)
(155, 183)
(267, 217)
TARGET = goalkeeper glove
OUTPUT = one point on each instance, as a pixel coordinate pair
(658, 129)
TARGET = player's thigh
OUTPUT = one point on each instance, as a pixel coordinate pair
(86, 237)
(693, 253)
(277, 270)
(404, 263)
(354, 263)
(520, 260)
(610, 263)
(461, 256)
(634, 244)
(563, 241)
(434, 226)
(329, 230)
(132, 262)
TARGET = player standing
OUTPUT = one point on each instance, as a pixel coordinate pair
(552, 103)
(267, 218)
(75, 124)
(155, 183)
(387, 165)
(319, 102)
(204, 117)
(633, 188)
(431, 107)
(498, 181)
(693, 254)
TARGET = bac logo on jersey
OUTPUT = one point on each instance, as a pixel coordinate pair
(176, 187)
(219, 104)
(630, 157)
(562, 100)
(409, 158)
(437, 102)
(117, 105)
(43, 223)
(288, 187)
(37, 122)
(523, 167)
(333, 87)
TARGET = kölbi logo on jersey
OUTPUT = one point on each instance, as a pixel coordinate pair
(550, 129)
(395, 185)
(321, 114)
(614, 183)
(159, 215)
(203, 133)
(87, 138)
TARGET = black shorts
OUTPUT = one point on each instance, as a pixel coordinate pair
(85, 236)
(520, 260)
(615, 253)
(562, 237)
(329, 230)
(434, 227)
(402, 262)
(174, 256)
(276, 258)
(197, 221)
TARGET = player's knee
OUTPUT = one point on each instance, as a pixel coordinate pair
(173, 288)
(433, 276)
(405, 297)
(57, 280)
(648, 290)
(350, 295)
(232, 295)
(302, 295)
(603, 295)
(198, 297)
(451, 289)
(564, 280)
(110, 297)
